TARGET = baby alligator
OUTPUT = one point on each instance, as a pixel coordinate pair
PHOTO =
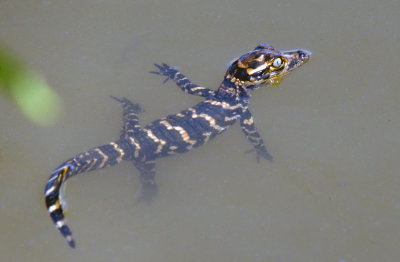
(183, 131)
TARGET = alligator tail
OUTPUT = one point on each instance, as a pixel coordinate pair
(53, 201)
(96, 158)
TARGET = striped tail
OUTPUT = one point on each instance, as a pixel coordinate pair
(53, 201)
(96, 158)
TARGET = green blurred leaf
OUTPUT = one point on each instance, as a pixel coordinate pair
(29, 90)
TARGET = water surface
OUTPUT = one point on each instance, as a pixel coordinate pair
(332, 192)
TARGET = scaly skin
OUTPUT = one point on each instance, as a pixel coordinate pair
(180, 132)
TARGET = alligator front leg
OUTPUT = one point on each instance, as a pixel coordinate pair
(182, 81)
(249, 129)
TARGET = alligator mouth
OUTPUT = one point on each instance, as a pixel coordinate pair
(295, 59)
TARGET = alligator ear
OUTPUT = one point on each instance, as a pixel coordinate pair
(265, 47)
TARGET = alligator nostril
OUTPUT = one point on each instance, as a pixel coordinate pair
(304, 55)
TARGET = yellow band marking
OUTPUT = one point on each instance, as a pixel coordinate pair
(207, 136)
(60, 223)
(166, 124)
(182, 132)
(185, 136)
(69, 238)
(50, 190)
(160, 142)
(249, 121)
(137, 146)
(54, 207)
(224, 105)
(197, 88)
(105, 157)
(227, 118)
(120, 151)
(212, 122)
(208, 118)
(251, 71)
(91, 164)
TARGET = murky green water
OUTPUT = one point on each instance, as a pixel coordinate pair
(332, 192)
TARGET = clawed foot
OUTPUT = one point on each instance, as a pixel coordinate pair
(149, 191)
(129, 104)
(165, 70)
(260, 153)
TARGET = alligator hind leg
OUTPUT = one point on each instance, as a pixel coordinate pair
(146, 167)
(130, 117)
(147, 178)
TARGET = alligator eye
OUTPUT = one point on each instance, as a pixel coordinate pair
(277, 63)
